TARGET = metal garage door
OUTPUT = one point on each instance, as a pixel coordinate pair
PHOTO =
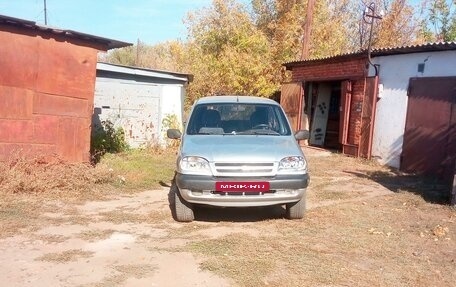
(429, 136)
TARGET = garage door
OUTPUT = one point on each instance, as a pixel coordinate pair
(429, 136)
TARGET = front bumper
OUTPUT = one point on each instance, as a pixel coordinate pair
(200, 189)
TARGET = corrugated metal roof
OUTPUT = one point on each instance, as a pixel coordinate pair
(427, 47)
(108, 43)
(144, 72)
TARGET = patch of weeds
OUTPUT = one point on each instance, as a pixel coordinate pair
(107, 138)
(137, 271)
(53, 238)
(120, 216)
(232, 256)
(65, 256)
(96, 234)
(337, 195)
(114, 280)
(17, 215)
(141, 169)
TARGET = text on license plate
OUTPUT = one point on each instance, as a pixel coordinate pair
(241, 186)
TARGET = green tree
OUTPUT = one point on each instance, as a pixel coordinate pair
(442, 17)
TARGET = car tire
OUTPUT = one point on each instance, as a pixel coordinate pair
(183, 210)
(296, 210)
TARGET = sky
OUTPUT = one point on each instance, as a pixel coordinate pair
(150, 21)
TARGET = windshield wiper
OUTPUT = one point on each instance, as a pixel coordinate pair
(265, 132)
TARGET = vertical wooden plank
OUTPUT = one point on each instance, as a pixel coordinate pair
(345, 100)
(368, 117)
(290, 97)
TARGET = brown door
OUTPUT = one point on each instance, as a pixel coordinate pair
(368, 117)
(429, 136)
(291, 101)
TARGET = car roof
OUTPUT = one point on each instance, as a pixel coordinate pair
(235, 99)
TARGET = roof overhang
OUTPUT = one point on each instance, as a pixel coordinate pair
(136, 71)
(106, 43)
(428, 47)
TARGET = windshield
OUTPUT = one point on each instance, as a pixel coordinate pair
(237, 118)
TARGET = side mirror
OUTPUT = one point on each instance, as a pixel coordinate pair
(173, 134)
(302, 135)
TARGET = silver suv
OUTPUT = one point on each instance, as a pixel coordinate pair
(239, 151)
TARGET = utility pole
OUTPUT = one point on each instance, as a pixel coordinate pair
(307, 27)
(137, 53)
(369, 16)
(45, 13)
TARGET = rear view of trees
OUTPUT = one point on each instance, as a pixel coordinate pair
(234, 48)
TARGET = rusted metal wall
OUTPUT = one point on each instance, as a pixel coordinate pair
(46, 95)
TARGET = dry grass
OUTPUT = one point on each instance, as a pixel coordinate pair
(39, 175)
(401, 239)
(397, 240)
(65, 256)
(125, 271)
(95, 234)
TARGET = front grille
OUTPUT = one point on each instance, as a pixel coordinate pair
(244, 168)
(243, 193)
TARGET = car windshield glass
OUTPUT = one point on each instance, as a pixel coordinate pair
(238, 118)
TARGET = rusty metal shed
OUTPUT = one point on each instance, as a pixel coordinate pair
(47, 85)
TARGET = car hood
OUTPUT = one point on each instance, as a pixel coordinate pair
(240, 148)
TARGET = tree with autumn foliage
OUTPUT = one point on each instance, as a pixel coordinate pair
(233, 48)
(230, 55)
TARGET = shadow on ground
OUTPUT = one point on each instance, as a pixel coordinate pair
(239, 214)
(431, 189)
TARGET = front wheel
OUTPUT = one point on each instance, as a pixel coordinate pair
(183, 210)
(297, 209)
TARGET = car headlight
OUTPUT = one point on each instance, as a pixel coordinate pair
(194, 165)
(293, 164)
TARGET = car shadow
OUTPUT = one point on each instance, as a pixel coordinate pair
(431, 189)
(238, 214)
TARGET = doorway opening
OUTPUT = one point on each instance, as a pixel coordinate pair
(321, 114)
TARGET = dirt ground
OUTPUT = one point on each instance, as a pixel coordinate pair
(365, 226)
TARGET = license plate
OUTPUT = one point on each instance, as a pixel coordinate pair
(244, 186)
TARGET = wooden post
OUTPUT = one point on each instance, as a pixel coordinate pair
(307, 28)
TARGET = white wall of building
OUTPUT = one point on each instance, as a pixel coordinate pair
(172, 100)
(138, 100)
(394, 74)
(132, 106)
